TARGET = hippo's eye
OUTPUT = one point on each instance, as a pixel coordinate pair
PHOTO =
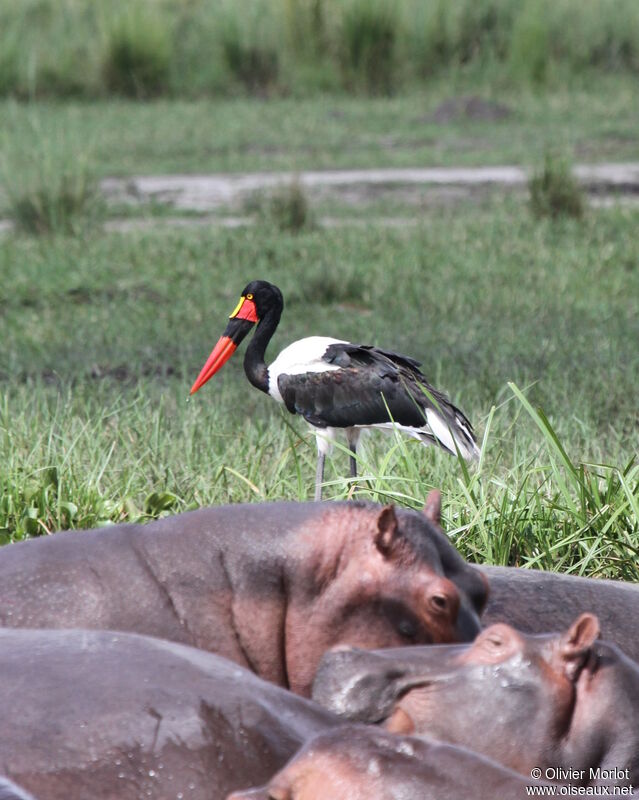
(439, 602)
(494, 640)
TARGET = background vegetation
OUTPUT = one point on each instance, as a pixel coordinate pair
(194, 48)
(526, 312)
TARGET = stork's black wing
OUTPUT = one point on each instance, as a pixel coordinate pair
(371, 386)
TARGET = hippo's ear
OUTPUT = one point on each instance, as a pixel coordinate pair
(388, 536)
(433, 508)
(576, 642)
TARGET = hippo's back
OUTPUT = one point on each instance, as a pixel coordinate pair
(535, 601)
(103, 715)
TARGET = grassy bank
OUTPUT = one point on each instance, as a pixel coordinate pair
(103, 335)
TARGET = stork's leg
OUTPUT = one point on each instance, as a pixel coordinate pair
(319, 475)
(324, 440)
(352, 436)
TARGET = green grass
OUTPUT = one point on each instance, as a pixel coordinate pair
(137, 56)
(287, 208)
(598, 121)
(215, 47)
(104, 334)
(369, 45)
(46, 172)
(554, 192)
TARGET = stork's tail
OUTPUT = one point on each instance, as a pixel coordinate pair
(444, 424)
(452, 431)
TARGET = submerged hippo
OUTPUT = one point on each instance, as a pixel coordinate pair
(102, 715)
(566, 704)
(358, 762)
(534, 601)
(270, 586)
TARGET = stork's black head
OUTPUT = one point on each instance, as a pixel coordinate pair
(266, 297)
(260, 301)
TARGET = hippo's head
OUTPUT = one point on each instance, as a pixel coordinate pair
(377, 577)
(526, 701)
(362, 762)
(352, 762)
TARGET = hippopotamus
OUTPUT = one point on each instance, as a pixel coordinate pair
(566, 704)
(119, 716)
(358, 762)
(270, 586)
(534, 601)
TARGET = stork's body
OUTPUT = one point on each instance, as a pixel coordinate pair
(335, 384)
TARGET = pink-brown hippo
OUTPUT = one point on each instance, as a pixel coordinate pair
(358, 762)
(270, 586)
(566, 703)
(102, 715)
(534, 601)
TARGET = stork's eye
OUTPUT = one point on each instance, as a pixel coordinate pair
(249, 296)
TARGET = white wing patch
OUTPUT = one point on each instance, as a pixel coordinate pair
(304, 355)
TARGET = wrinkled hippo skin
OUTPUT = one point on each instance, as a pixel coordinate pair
(99, 715)
(358, 762)
(270, 586)
(565, 701)
(534, 601)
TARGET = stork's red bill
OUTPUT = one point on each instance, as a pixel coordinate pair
(245, 312)
(335, 384)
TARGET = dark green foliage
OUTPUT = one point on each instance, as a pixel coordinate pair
(554, 191)
(137, 58)
(289, 209)
(284, 209)
(530, 54)
(480, 30)
(369, 41)
(9, 71)
(146, 48)
(307, 27)
(254, 64)
(46, 173)
(57, 209)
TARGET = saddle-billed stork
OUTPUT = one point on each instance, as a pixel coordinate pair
(335, 384)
